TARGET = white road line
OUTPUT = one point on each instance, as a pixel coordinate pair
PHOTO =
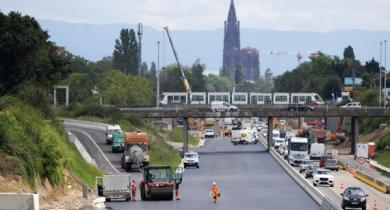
(101, 152)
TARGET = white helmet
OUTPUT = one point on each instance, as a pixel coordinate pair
(214, 183)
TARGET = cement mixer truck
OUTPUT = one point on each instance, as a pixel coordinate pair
(136, 151)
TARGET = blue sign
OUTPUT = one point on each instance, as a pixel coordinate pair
(349, 81)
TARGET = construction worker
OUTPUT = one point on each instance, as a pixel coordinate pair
(214, 192)
(133, 188)
(177, 191)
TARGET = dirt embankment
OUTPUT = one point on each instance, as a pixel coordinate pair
(68, 196)
(375, 135)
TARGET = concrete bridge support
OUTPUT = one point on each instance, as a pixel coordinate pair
(270, 129)
(355, 134)
(185, 135)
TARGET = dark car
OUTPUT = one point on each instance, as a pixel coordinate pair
(299, 107)
(309, 170)
(354, 197)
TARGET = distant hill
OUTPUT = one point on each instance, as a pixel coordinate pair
(96, 41)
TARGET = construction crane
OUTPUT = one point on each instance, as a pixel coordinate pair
(183, 76)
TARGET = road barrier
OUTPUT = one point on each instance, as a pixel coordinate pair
(324, 202)
(22, 201)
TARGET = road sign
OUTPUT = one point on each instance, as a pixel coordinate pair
(361, 160)
(362, 150)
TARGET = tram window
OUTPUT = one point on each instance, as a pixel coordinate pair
(295, 99)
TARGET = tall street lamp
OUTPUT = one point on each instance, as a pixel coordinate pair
(139, 33)
(380, 75)
(158, 75)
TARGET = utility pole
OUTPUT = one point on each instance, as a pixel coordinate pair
(380, 75)
(385, 85)
(139, 32)
(158, 76)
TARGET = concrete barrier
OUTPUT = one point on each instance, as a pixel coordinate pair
(83, 152)
(20, 201)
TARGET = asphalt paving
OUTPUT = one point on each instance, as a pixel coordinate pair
(248, 178)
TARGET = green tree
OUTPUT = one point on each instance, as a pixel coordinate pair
(27, 54)
(80, 87)
(217, 83)
(197, 78)
(170, 78)
(144, 69)
(125, 56)
(348, 53)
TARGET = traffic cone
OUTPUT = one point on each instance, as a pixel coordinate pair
(375, 207)
(342, 185)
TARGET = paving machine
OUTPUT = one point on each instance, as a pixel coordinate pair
(159, 182)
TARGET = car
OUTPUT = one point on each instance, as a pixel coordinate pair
(354, 197)
(309, 170)
(110, 130)
(351, 105)
(209, 133)
(281, 148)
(191, 159)
(331, 164)
(323, 177)
(222, 106)
(324, 158)
(278, 142)
(304, 164)
(299, 107)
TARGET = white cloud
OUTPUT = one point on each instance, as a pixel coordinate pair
(309, 15)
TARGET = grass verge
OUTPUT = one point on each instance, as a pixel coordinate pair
(176, 135)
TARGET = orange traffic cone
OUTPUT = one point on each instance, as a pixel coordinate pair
(342, 185)
(375, 207)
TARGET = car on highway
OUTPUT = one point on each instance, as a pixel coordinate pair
(209, 133)
(281, 148)
(110, 130)
(191, 159)
(351, 105)
(309, 170)
(278, 142)
(354, 197)
(331, 164)
(323, 177)
(304, 164)
(324, 158)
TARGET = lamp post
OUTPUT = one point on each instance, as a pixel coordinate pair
(139, 33)
(385, 77)
(158, 75)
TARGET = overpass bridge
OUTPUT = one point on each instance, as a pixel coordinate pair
(269, 111)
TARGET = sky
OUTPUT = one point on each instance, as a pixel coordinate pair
(295, 15)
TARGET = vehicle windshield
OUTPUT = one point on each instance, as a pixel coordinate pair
(298, 147)
(307, 162)
(279, 141)
(118, 140)
(323, 172)
(190, 156)
(112, 131)
(354, 192)
(160, 174)
(318, 98)
(331, 161)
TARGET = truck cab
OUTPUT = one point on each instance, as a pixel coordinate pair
(118, 142)
(298, 149)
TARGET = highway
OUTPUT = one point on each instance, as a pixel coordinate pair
(248, 178)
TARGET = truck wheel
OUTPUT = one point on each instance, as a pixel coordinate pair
(108, 200)
(197, 165)
(128, 166)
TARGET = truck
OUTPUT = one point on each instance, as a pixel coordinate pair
(317, 150)
(136, 151)
(249, 136)
(236, 135)
(110, 130)
(118, 142)
(159, 182)
(114, 187)
(298, 149)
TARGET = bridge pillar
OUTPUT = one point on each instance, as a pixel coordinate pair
(355, 134)
(185, 135)
(270, 129)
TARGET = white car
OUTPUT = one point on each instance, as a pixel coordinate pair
(278, 142)
(191, 159)
(323, 177)
(222, 106)
(281, 148)
(209, 133)
(352, 105)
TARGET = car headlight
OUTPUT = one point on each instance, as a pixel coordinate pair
(362, 199)
(346, 198)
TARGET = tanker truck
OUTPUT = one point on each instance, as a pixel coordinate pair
(136, 151)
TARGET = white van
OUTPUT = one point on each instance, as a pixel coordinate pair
(249, 136)
(317, 150)
(222, 106)
(110, 130)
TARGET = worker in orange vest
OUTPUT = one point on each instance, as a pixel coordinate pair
(214, 192)
(133, 190)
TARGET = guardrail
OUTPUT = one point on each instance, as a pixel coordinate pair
(324, 202)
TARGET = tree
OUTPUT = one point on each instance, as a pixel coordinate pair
(80, 87)
(170, 78)
(217, 83)
(26, 54)
(348, 53)
(152, 73)
(197, 78)
(238, 75)
(125, 56)
(144, 69)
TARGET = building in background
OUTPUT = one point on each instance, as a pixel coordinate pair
(268, 75)
(250, 64)
(231, 42)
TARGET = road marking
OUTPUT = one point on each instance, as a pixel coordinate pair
(97, 146)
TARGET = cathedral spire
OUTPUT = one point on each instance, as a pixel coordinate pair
(231, 47)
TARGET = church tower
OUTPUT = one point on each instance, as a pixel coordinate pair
(231, 44)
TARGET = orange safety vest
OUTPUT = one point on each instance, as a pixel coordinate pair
(214, 190)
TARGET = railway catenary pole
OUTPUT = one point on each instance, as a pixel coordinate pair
(139, 32)
(158, 76)
(385, 77)
(380, 75)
